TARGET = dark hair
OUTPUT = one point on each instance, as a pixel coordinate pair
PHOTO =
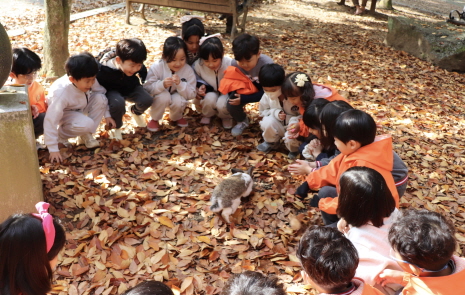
(131, 49)
(355, 125)
(171, 47)
(253, 283)
(328, 117)
(244, 46)
(193, 27)
(363, 189)
(423, 238)
(327, 256)
(25, 61)
(306, 92)
(311, 115)
(149, 288)
(24, 261)
(271, 75)
(212, 46)
(82, 65)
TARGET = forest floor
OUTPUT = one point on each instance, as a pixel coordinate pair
(138, 209)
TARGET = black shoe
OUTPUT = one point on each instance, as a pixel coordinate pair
(302, 190)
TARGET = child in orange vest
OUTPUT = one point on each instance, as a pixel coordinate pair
(355, 137)
(329, 262)
(24, 70)
(423, 244)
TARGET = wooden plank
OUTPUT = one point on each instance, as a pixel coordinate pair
(190, 5)
(96, 11)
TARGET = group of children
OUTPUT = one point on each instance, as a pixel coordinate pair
(359, 178)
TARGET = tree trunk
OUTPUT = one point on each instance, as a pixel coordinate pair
(57, 16)
(385, 4)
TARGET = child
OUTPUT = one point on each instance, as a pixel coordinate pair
(192, 30)
(423, 244)
(172, 83)
(354, 137)
(24, 70)
(299, 90)
(363, 189)
(249, 60)
(329, 261)
(276, 111)
(149, 288)
(77, 104)
(122, 73)
(29, 247)
(253, 283)
(210, 69)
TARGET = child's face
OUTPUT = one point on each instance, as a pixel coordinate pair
(295, 100)
(315, 132)
(212, 63)
(249, 64)
(346, 148)
(24, 79)
(193, 44)
(84, 84)
(128, 67)
(178, 62)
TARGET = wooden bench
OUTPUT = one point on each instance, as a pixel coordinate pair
(372, 7)
(214, 6)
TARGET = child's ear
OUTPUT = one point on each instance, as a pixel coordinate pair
(118, 60)
(71, 79)
(306, 278)
(12, 75)
(354, 145)
(259, 52)
(415, 270)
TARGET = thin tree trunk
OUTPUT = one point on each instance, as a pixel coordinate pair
(57, 16)
(385, 4)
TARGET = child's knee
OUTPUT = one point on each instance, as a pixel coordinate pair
(162, 98)
(83, 125)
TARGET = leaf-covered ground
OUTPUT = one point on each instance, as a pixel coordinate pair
(138, 209)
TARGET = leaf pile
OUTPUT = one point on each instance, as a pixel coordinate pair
(138, 209)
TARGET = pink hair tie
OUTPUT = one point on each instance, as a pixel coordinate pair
(218, 35)
(47, 223)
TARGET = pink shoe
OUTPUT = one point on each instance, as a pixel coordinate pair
(182, 122)
(153, 126)
(205, 120)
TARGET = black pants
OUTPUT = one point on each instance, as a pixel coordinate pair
(328, 192)
(39, 125)
(117, 103)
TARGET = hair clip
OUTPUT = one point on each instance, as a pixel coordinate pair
(203, 39)
(300, 80)
(47, 223)
(186, 18)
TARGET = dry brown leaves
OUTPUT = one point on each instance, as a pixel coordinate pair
(138, 209)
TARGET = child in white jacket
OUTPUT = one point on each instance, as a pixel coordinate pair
(210, 69)
(277, 112)
(171, 81)
(76, 105)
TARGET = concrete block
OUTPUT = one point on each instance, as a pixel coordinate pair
(20, 183)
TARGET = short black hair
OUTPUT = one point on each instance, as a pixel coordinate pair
(131, 49)
(328, 117)
(271, 75)
(363, 189)
(355, 125)
(311, 115)
(306, 92)
(327, 257)
(244, 46)
(193, 27)
(212, 46)
(149, 288)
(171, 46)
(253, 283)
(423, 238)
(25, 61)
(82, 65)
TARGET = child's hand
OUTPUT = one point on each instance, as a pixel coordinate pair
(201, 91)
(235, 101)
(176, 79)
(389, 276)
(55, 156)
(282, 116)
(34, 111)
(168, 82)
(293, 131)
(110, 123)
(300, 167)
(316, 147)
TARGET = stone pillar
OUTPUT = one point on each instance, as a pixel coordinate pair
(20, 183)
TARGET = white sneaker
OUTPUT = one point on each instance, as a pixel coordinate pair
(239, 128)
(139, 119)
(116, 134)
(89, 141)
